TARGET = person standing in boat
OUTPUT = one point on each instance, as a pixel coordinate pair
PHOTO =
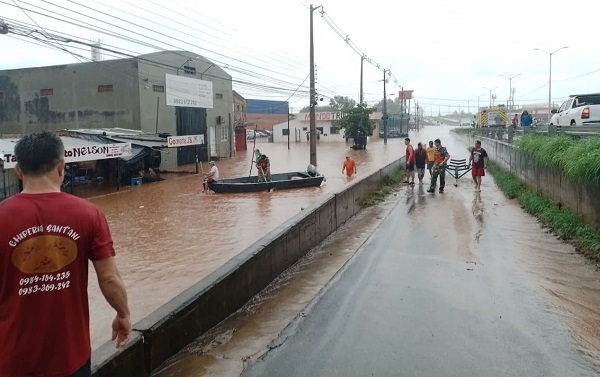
(211, 176)
(263, 165)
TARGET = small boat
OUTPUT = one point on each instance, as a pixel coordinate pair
(279, 181)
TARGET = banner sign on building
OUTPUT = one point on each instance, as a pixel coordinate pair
(405, 94)
(188, 92)
(325, 116)
(90, 152)
(184, 141)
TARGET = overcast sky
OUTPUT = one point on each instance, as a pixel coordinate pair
(447, 52)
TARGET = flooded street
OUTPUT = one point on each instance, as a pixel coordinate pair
(169, 235)
(458, 284)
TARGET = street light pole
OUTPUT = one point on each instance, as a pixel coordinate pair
(550, 78)
(490, 93)
(510, 95)
(384, 117)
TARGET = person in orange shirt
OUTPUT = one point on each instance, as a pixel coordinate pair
(430, 158)
(349, 167)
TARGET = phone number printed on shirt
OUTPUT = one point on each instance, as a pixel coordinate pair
(45, 278)
(44, 288)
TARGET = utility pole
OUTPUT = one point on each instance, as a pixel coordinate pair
(362, 94)
(313, 100)
(384, 117)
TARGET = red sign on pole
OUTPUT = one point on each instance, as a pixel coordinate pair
(405, 94)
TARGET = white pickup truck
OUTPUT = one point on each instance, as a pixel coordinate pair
(578, 110)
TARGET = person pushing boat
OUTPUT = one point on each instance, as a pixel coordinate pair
(263, 165)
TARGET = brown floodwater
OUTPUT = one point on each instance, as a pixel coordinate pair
(168, 235)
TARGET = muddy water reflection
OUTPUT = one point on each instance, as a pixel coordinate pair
(168, 235)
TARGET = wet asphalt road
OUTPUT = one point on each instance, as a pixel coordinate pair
(436, 291)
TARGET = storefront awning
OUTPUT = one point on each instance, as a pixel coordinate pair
(76, 150)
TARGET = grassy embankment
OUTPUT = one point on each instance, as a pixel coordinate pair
(390, 184)
(578, 161)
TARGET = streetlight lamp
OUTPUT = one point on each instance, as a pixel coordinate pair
(490, 93)
(510, 95)
(550, 78)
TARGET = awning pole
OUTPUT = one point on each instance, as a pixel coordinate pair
(197, 153)
(117, 174)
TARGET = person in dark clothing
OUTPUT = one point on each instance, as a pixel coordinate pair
(420, 161)
(526, 120)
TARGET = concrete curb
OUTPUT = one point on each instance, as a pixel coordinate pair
(199, 308)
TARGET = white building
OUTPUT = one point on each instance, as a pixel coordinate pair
(299, 128)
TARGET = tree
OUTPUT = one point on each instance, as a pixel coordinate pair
(337, 103)
(357, 124)
(392, 107)
(341, 103)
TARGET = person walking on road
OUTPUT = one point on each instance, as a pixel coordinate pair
(349, 167)
(48, 238)
(478, 162)
(410, 162)
(420, 161)
(430, 157)
(439, 167)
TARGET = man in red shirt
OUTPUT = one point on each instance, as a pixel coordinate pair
(410, 162)
(46, 241)
(478, 161)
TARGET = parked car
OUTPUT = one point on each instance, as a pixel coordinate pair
(578, 110)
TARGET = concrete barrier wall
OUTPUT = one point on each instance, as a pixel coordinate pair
(580, 198)
(196, 310)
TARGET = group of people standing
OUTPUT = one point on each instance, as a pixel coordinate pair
(434, 158)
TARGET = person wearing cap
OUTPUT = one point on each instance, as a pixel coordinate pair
(349, 167)
(211, 176)
(263, 165)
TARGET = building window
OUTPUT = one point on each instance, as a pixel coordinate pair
(243, 108)
(105, 88)
(285, 132)
(304, 129)
(218, 96)
(189, 70)
(224, 134)
(238, 107)
(334, 131)
(46, 92)
(158, 88)
(1, 96)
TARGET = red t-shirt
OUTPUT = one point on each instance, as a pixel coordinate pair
(410, 154)
(45, 243)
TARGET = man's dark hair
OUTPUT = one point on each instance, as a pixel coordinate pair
(406, 139)
(478, 142)
(39, 153)
(438, 141)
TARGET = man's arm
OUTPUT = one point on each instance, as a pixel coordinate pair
(113, 290)
(485, 162)
(446, 157)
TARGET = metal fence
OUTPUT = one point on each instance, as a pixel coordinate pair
(510, 134)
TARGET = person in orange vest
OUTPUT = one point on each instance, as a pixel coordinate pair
(349, 167)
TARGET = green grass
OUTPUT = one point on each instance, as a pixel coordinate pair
(564, 223)
(389, 184)
(577, 159)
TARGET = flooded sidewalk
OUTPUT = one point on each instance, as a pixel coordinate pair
(168, 235)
